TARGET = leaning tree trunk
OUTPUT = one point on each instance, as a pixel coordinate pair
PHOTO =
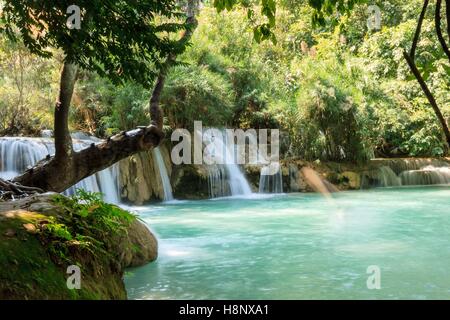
(68, 167)
(410, 57)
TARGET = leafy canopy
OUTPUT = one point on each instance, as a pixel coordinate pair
(119, 39)
(324, 8)
(263, 29)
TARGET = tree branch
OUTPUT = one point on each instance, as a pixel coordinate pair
(447, 14)
(429, 95)
(410, 60)
(68, 167)
(156, 113)
(437, 19)
(418, 30)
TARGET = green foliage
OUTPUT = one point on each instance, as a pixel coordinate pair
(334, 117)
(119, 40)
(86, 223)
(262, 28)
(58, 231)
(26, 90)
(326, 8)
(104, 109)
(408, 124)
(338, 90)
(194, 93)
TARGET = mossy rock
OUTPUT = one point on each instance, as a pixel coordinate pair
(33, 265)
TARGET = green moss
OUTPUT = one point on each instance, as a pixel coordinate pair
(36, 250)
(26, 270)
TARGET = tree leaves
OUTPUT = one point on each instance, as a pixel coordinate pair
(263, 30)
(121, 40)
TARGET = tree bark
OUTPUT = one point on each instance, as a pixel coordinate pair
(410, 60)
(63, 141)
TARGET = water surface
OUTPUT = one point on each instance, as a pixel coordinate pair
(300, 246)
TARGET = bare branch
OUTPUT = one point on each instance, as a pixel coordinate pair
(428, 94)
(437, 19)
(418, 30)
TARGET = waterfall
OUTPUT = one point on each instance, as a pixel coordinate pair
(271, 177)
(407, 172)
(270, 182)
(17, 154)
(224, 175)
(217, 181)
(427, 175)
(159, 163)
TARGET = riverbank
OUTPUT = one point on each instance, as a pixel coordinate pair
(44, 238)
(191, 181)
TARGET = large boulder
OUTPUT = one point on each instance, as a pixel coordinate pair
(34, 260)
(352, 179)
(138, 247)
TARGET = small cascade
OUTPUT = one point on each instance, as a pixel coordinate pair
(428, 175)
(238, 184)
(159, 163)
(109, 184)
(17, 154)
(217, 181)
(407, 172)
(271, 179)
(225, 177)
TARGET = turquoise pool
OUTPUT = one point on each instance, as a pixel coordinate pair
(300, 246)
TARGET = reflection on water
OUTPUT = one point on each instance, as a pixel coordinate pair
(300, 247)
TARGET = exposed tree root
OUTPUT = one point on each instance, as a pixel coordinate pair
(12, 190)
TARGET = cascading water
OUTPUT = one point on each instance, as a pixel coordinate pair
(427, 175)
(225, 176)
(270, 182)
(271, 178)
(159, 163)
(407, 172)
(17, 154)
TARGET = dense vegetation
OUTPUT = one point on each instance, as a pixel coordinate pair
(338, 92)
